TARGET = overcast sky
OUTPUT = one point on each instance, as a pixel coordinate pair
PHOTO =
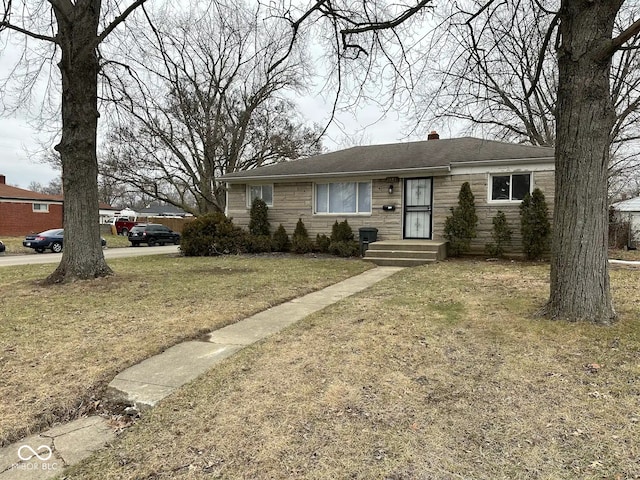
(20, 141)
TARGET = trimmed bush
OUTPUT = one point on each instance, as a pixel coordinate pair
(258, 243)
(259, 222)
(322, 243)
(460, 226)
(342, 240)
(300, 241)
(535, 225)
(341, 232)
(281, 242)
(210, 235)
(501, 234)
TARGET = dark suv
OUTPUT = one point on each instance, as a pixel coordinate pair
(152, 234)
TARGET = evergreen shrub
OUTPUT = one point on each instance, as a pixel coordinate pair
(501, 235)
(460, 226)
(210, 235)
(300, 241)
(258, 218)
(281, 242)
(342, 242)
(535, 225)
(322, 243)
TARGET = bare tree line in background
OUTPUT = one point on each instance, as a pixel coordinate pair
(496, 74)
(200, 97)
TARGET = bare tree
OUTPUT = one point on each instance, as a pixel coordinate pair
(73, 32)
(586, 126)
(54, 187)
(199, 98)
(494, 72)
(498, 73)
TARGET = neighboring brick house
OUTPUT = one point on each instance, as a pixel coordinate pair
(405, 190)
(23, 211)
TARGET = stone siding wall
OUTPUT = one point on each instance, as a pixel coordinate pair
(295, 200)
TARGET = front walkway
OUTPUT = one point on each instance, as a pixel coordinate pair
(144, 385)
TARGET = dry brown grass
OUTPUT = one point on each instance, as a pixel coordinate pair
(633, 255)
(60, 345)
(439, 372)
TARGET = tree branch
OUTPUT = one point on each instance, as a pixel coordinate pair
(118, 20)
(37, 36)
(616, 43)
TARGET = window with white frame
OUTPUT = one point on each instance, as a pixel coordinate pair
(509, 187)
(41, 207)
(343, 197)
(263, 192)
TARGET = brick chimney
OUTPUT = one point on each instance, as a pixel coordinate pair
(433, 135)
(3, 179)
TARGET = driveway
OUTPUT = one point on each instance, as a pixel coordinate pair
(109, 253)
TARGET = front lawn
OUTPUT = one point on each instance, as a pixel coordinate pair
(439, 372)
(60, 345)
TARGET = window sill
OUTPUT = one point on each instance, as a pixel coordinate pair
(504, 202)
(368, 214)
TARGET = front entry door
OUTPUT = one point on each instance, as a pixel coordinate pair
(417, 207)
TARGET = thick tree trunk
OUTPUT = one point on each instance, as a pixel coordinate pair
(584, 121)
(82, 257)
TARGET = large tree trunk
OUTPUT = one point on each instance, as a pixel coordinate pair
(584, 121)
(82, 257)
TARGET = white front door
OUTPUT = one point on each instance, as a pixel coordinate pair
(417, 207)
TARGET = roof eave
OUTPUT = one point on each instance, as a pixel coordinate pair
(31, 199)
(528, 160)
(366, 173)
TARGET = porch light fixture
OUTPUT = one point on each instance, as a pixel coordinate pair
(391, 189)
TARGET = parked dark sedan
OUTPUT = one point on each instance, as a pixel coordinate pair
(49, 239)
(2, 247)
(152, 234)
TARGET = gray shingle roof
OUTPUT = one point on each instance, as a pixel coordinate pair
(398, 158)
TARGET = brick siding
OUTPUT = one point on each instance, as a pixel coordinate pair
(17, 219)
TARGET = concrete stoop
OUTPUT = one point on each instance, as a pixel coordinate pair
(405, 253)
(143, 385)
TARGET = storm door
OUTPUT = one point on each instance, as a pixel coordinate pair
(417, 207)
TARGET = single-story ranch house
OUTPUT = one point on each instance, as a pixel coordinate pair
(405, 190)
(23, 211)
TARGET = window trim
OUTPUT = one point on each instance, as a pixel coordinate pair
(510, 175)
(261, 185)
(356, 213)
(40, 210)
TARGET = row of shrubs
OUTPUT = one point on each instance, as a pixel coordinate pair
(535, 226)
(215, 234)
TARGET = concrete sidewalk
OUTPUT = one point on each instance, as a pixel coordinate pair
(144, 385)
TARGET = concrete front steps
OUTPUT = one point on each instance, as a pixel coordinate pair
(405, 253)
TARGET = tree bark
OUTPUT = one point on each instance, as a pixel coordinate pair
(82, 257)
(584, 121)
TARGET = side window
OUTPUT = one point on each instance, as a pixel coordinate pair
(264, 192)
(509, 187)
(40, 207)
